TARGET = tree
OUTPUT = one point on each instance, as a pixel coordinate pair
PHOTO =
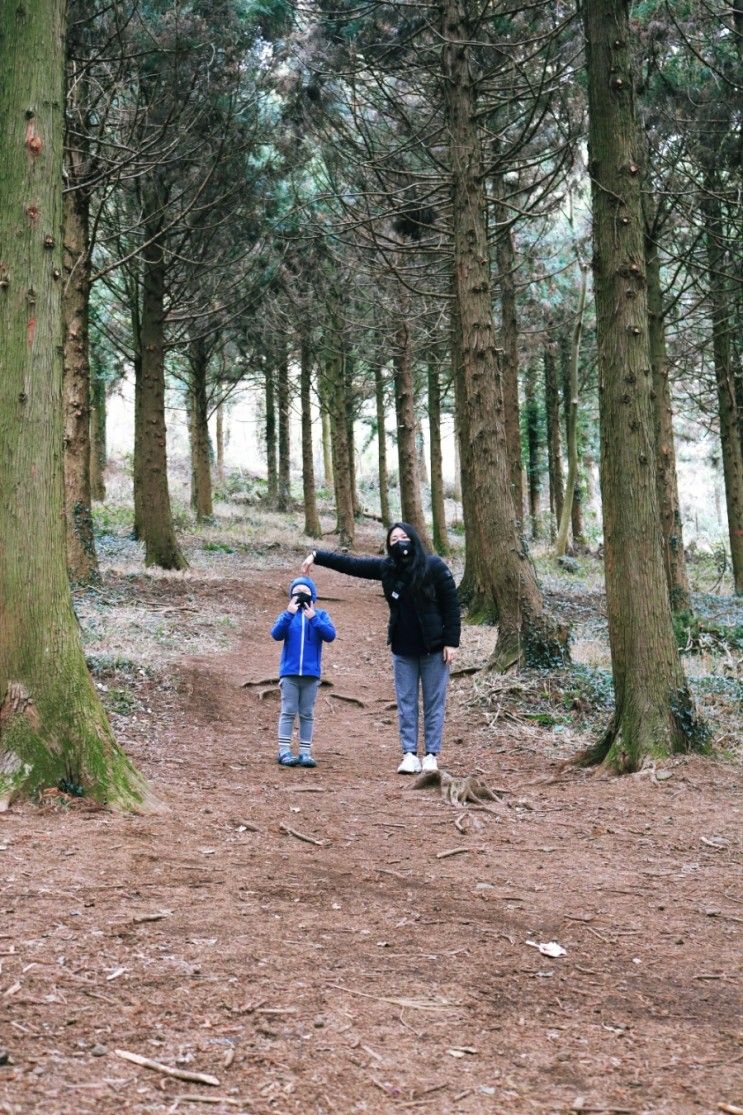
(53, 728)
(654, 713)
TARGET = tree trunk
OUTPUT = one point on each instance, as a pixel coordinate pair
(136, 320)
(653, 709)
(201, 478)
(730, 432)
(337, 403)
(552, 414)
(531, 417)
(272, 472)
(570, 396)
(312, 525)
(157, 530)
(82, 562)
(384, 499)
(665, 462)
(220, 443)
(410, 492)
(526, 632)
(284, 478)
(509, 334)
(348, 391)
(53, 729)
(98, 450)
(438, 512)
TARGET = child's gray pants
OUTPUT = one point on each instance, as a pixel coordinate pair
(297, 698)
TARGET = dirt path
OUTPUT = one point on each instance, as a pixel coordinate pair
(366, 973)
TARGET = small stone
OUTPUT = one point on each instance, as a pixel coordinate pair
(319, 1023)
(99, 1050)
(4, 1057)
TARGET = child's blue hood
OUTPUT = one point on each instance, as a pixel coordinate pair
(304, 581)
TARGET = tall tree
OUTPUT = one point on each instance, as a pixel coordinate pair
(653, 708)
(52, 726)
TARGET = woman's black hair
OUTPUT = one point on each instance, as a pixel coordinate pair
(416, 567)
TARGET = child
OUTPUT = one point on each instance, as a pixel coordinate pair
(303, 629)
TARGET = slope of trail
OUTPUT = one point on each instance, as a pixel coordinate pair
(367, 971)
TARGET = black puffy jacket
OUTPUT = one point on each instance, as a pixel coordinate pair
(436, 601)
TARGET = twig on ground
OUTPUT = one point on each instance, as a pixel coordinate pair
(301, 836)
(455, 852)
(347, 697)
(158, 1066)
(209, 1099)
(730, 1108)
(413, 1004)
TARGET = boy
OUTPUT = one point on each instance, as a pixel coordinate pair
(303, 629)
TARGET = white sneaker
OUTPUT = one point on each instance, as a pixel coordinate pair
(429, 763)
(410, 764)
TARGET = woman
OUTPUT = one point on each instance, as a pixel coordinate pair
(423, 632)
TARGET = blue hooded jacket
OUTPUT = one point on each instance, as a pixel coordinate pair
(303, 638)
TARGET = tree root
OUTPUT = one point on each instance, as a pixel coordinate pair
(461, 791)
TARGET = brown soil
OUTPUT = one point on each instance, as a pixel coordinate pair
(365, 973)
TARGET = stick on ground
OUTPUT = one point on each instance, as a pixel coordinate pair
(158, 1066)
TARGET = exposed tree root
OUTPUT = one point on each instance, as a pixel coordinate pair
(461, 791)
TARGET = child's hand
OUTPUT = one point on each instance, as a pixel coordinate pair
(292, 606)
(310, 612)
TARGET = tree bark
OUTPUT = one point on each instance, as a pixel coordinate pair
(201, 478)
(348, 391)
(98, 452)
(653, 709)
(384, 498)
(438, 512)
(505, 255)
(570, 396)
(283, 501)
(552, 414)
(327, 449)
(157, 530)
(272, 472)
(53, 729)
(338, 408)
(312, 525)
(220, 443)
(730, 425)
(531, 416)
(82, 562)
(665, 461)
(526, 632)
(407, 456)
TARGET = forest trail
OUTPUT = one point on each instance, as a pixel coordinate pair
(368, 972)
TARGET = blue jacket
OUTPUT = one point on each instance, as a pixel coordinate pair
(303, 639)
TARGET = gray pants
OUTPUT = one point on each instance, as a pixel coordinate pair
(297, 698)
(430, 673)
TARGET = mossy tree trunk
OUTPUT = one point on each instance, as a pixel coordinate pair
(653, 709)
(505, 255)
(312, 525)
(98, 450)
(384, 497)
(665, 460)
(552, 416)
(526, 632)
(272, 471)
(53, 728)
(82, 562)
(283, 500)
(335, 392)
(411, 506)
(156, 518)
(531, 419)
(201, 479)
(570, 353)
(438, 511)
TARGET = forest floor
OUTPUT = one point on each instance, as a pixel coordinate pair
(336, 940)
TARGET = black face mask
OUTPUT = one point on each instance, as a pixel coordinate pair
(303, 599)
(401, 552)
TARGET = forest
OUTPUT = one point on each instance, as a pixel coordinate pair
(274, 277)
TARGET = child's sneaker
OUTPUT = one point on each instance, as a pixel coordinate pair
(410, 764)
(286, 759)
(429, 763)
(306, 760)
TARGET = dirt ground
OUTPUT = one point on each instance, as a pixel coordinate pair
(311, 940)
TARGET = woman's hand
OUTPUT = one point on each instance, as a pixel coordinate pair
(308, 562)
(449, 654)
